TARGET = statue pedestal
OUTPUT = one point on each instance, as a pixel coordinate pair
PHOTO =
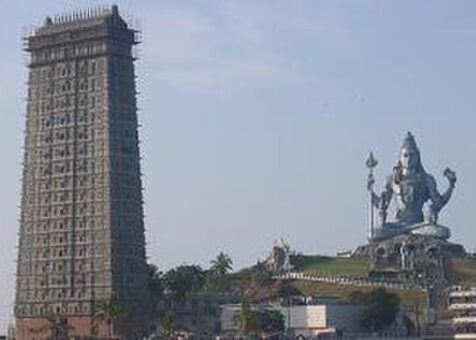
(430, 230)
(426, 229)
(413, 252)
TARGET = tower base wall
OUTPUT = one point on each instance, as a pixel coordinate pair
(43, 328)
(81, 327)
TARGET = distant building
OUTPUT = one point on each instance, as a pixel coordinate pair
(279, 259)
(198, 314)
(463, 305)
(344, 254)
(313, 320)
(81, 236)
(323, 317)
(304, 320)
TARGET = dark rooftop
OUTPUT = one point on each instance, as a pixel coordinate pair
(92, 17)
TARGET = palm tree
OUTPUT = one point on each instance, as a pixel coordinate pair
(56, 325)
(222, 264)
(107, 311)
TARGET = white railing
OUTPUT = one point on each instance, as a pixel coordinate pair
(346, 281)
(463, 293)
(464, 319)
(459, 306)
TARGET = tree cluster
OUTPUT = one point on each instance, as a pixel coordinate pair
(381, 308)
(262, 321)
(185, 279)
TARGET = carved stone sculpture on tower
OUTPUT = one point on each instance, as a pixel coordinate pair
(412, 189)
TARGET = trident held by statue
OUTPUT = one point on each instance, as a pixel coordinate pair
(371, 163)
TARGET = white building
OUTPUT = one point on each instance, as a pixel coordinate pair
(312, 320)
(304, 320)
(463, 305)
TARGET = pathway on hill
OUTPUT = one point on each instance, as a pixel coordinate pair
(347, 281)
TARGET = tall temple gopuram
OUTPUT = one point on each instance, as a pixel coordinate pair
(81, 239)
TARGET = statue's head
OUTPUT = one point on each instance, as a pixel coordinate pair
(409, 154)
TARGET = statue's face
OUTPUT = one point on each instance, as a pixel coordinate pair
(409, 158)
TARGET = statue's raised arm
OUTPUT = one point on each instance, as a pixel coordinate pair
(438, 201)
(382, 201)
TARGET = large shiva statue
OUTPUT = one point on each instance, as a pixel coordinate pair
(412, 189)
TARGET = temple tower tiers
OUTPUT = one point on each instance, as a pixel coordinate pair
(81, 236)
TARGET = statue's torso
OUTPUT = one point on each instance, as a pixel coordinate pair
(410, 193)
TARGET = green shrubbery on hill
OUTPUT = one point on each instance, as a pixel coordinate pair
(256, 284)
(327, 265)
(462, 271)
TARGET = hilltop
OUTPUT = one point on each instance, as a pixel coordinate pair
(254, 282)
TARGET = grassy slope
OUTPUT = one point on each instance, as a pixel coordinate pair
(344, 267)
(325, 265)
(462, 271)
(408, 297)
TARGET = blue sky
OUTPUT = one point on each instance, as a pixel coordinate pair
(257, 117)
